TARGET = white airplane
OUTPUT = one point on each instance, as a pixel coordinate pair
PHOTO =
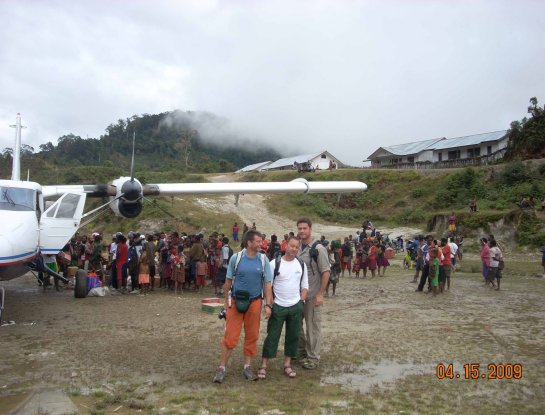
(29, 226)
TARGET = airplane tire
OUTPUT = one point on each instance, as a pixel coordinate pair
(80, 289)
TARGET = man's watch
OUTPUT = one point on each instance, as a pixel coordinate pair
(269, 305)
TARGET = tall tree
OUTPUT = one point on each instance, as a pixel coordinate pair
(527, 137)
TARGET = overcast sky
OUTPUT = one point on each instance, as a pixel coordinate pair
(346, 76)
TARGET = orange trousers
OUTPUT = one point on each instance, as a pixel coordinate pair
(250, 319)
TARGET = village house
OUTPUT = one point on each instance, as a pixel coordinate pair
(443, 152)
(316, 161)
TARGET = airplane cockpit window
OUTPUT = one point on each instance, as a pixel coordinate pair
(17, 199)
(68, 206)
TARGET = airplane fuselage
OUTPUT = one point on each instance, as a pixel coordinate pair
(28, 229)
(19, 226)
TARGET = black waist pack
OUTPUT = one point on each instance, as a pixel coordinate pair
(242, 300)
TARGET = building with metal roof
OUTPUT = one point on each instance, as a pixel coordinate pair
(443, 152)
(316, 161)
(254, 167)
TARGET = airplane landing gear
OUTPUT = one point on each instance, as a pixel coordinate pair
(80, 289)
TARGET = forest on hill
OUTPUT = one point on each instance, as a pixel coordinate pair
(177, 142)
(527, 136)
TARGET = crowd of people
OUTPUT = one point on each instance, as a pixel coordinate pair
(133, 262)
(286, 278)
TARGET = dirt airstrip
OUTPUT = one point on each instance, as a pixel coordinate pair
(382, 343)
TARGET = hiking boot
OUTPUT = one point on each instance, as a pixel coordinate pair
(249, 374)
(220, 375)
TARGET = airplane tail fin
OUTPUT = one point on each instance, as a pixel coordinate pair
(16, 168)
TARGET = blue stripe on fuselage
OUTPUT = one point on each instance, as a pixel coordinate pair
(5, 258)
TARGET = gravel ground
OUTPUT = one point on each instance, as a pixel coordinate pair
(382, 344)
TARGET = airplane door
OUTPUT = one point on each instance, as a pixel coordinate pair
(60, 221)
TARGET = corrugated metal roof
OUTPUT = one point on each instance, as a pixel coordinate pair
(253, 167)
(469, 140)
(412, 148)
(290, 160)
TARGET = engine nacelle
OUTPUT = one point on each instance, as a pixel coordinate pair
(128, 199)
(129, 210)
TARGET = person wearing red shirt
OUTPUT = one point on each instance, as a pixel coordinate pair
(372, 257)
(265, 245)
(284, 244)
(485, 259)
(235, 232)
(122, 259)
(446, 264)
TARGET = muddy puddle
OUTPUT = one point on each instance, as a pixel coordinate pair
(367, 376)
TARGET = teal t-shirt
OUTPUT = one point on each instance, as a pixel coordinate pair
(250, 274)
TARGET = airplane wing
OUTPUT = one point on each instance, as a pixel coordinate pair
(168, 189)
(295, 186)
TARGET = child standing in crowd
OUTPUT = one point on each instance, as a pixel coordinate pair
(201, 274)
(143, 272)
(364, 263)
(178, 268)
(372, 258)
(357, 264)
(434, 270)
(346, 263)
(382, 261)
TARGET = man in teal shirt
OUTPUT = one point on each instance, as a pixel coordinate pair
(248, 272)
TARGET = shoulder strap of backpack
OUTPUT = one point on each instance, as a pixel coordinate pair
(277, 259)
(313, 248)
(238, 258)
(302, 263)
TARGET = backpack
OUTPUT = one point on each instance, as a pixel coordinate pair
(231, 252)
(273, 250)
(313, 252)
(346, 250)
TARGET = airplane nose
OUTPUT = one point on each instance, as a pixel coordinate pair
(6, 248)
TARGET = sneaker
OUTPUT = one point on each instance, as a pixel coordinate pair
(311, 364)
(220, 375)
(249, 374)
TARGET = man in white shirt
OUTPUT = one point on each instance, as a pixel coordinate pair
(290, 288)
(113, 252)
(453, 253)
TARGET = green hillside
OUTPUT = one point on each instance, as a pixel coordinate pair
(417, 198)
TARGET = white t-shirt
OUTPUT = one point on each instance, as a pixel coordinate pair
(113, 250)
(287, 285)
(225, 252)
(495, 256)
(453, 249)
